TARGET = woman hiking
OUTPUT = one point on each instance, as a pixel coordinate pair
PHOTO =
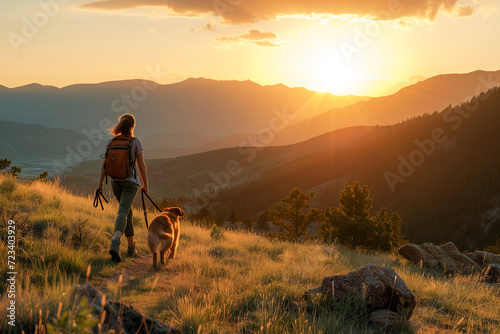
(125, 188)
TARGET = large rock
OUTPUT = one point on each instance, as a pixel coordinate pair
(445, 259)
(380, 287)
(491, 274)
(484, 258)
(121, 317)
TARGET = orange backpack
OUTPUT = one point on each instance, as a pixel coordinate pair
(118, 159)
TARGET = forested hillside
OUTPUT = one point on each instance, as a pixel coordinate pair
(439, 171)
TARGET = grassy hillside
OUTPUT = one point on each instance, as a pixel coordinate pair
(242, 283)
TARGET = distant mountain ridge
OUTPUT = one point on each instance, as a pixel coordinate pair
(426, 96)
(198, 115)
(175, 119)
(30, 142)
(200, 105)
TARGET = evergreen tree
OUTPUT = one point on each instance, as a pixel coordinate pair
(396, 238)
(381, 222)
(355, 202)
(295, 214)
(4, 163)
(14, 170)
(334, 218)
(352, 225)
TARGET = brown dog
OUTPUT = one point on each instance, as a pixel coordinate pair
(164, 231)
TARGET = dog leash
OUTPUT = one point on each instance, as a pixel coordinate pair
(144, 207)
(98, 200)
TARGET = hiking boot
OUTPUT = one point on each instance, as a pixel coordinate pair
(131, 251)
(114, 250)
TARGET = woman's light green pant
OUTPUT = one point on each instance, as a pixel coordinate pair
(125, 192)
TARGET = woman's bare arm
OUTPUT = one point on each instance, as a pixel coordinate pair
(143, 172)
(101, 179)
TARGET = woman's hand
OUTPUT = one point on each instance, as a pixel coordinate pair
(98, 189)
(144, 189)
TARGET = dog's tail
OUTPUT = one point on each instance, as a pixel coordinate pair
(165, 236)
(155, 239)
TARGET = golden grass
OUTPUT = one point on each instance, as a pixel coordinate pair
(243, 283)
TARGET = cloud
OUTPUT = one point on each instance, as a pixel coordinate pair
(250, 11)
(256, 36)
(464, 11)
(266, 43)
(209, 27)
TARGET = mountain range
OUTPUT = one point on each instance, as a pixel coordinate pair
(198, 115)
(433, 94)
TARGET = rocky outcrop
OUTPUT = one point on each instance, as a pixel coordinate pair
(490, 263)
(120, 317)
(445, 259)
(491, 274)
(484, 258)
(381, 288)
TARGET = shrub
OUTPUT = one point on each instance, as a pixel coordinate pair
(217, 232)
(8, 186)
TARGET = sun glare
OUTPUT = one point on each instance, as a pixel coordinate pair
(331, 74)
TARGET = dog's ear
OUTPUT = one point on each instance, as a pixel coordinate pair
(177, 211)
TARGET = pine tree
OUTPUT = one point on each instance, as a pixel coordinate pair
(352, 225)
(334, 218)
(355, 202)
(4, 163)
(395, 223)
(295, 214)
(382, 237)
(14, 170)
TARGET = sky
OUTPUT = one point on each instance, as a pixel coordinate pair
(361, 47)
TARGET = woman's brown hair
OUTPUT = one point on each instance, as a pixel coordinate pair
(125, 126)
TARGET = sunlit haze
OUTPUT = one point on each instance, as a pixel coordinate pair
(358, 47)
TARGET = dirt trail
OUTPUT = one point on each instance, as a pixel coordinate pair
(136, 267)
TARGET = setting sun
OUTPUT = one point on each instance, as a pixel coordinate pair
(328, 73)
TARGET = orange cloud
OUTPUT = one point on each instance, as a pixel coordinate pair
(464, 11)
(266, 43)
(249, 11)
(209, 27)
(258, 37)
